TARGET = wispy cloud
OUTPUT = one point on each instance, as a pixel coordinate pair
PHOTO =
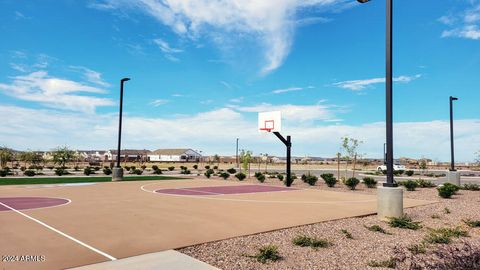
(159, 102)
(465, 24)
(357, 85)
(167, 49)
(55, 92)
(91, 76)
(271, 23)
(286, 90)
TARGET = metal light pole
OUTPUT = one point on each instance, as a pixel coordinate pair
(236, 155)
(388, 91)
(452, 148)
(118, 171)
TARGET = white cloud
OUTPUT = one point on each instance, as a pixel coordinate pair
(92, 76)
(271, 23)
(293, 113)
(286, 90)
(465, 24)
(167, 49)
(215, 132)
(159, 102)
(55, 92)
(356, 85)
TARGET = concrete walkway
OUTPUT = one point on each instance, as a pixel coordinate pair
(168, 260)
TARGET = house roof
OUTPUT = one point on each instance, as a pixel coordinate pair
(131, 152)
(172, 152)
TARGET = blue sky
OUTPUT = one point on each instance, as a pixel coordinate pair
(201, 71)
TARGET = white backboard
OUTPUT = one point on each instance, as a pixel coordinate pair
(270, 121)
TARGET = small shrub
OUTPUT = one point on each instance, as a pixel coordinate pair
(311, 180)
(154, 167)
(447, 210)
(232, 171)
(215, 167)
(474, 187)
(137, 171)
(376, 228)
(472, 223)
(61, 171)
(185, 171)
(23, 168)
(329, 179)
(435, 216)
(76, 168)
(157, 171)
(260, 178)
(444, 235)
(96, 168)
(404, 222)
(280, 177)
(425, 183)
(390, 263)
(224, 175)
(352, 183)
(88, 170)
(410, 185)
(107, 171)
(305, 241)
(3, 173)
(409, 172)
(267, 253)
(370, 182)
(171, 168)
(347, 234)
(446, 191)
(304, 178)
(240, 176)
(207, 167)
(417, 249)
(29, 173)
(127, 168)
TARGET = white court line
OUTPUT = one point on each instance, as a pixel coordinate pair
(61, 233)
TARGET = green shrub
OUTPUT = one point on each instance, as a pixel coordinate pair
(240, 176)
(29, 173)
(88, 171)
(410, 185)
(154, 167)
(446, 191)
(329, 179)
(404, 222)
(305, 241)
(311, 180)
(133, 168)
(417, 249)
(352, 183)
(107, 171)
(260, 177)
(347, 234)
(304, 178)
(185, 171)
(137, 171)
(215, 167)
(267, 253)
(224, 175)
(370, 182)
(76, 168)
(474, 187)
(61, 171)
(390, 263)
(171, 168)
(409, 173)
(232, 171)
(452, 186)
(444, 235)
(207, 174)
(376, 228)
(435, 216)
(207, 167)
(96, 168)
(425, 183)
(280, 177)
(23, 168)
(157, 171)
(195, 166)
(472, 223)
(446, 210)
(3, 173)
(127, 168)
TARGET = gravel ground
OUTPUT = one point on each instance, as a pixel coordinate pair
(345, 253)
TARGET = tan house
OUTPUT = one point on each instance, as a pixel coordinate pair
(174, 155)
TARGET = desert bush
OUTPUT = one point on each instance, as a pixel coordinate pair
(154, 167)
(61, 171)
(399, 172)
(417, 248)
(410, 185)
(347, 234)
(329, 179)
(127, 168)
(171, 168)
(157, 171)
(232, 171)
(409, 172)
(224, 175)
(474, 187)
(352, 183)
(3, 173)
(304, 178)
(280, 177)
(305, 241)
(260, 177)
(185, 171)
(447, 190)
(444, 235)
(404, 222)
(390, 263)
(472, 223)
(267, 253)
(88, 171)
(107, 171)
(376, 228)
(370, 182)
(240, 176)
(311, 180)
(207, 167)
(137, 171)
(29, 173)
(195, 166)
(215, 167)
(23, 168)
(425, 183)
(96, 168)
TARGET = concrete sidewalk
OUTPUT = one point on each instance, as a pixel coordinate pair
(168, 260)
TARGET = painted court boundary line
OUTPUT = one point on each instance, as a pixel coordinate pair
(61, 233)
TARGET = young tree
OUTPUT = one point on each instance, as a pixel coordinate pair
(423, 165)
(63, 155)
(350, 147)
(6, 155)
(477, 157)
(245, 159)
(216, 158)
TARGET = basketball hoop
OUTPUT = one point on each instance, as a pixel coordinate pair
(269, 122)
(268, 125)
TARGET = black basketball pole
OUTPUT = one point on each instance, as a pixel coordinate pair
(122, 81)
(288, 144)
(452, 147)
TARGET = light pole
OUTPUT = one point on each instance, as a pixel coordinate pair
(117, 174)
(236, 155)
(452, 147)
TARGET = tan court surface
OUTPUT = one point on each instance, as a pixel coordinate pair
(125, 219)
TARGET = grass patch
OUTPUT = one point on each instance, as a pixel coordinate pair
(417, 249)
(66, 180)
(347, 234)
(404, 222)
(444, 235)
(390, 263)
(435, 216)
(305, 241)
(376, 228)
(446, 210)
(267, 253)
(472, 223)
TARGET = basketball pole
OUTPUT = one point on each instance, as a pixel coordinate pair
(288, 144)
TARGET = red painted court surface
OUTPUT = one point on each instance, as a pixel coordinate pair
(222, 190)
(25, 203)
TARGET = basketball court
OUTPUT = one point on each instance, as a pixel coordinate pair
(74, 225)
